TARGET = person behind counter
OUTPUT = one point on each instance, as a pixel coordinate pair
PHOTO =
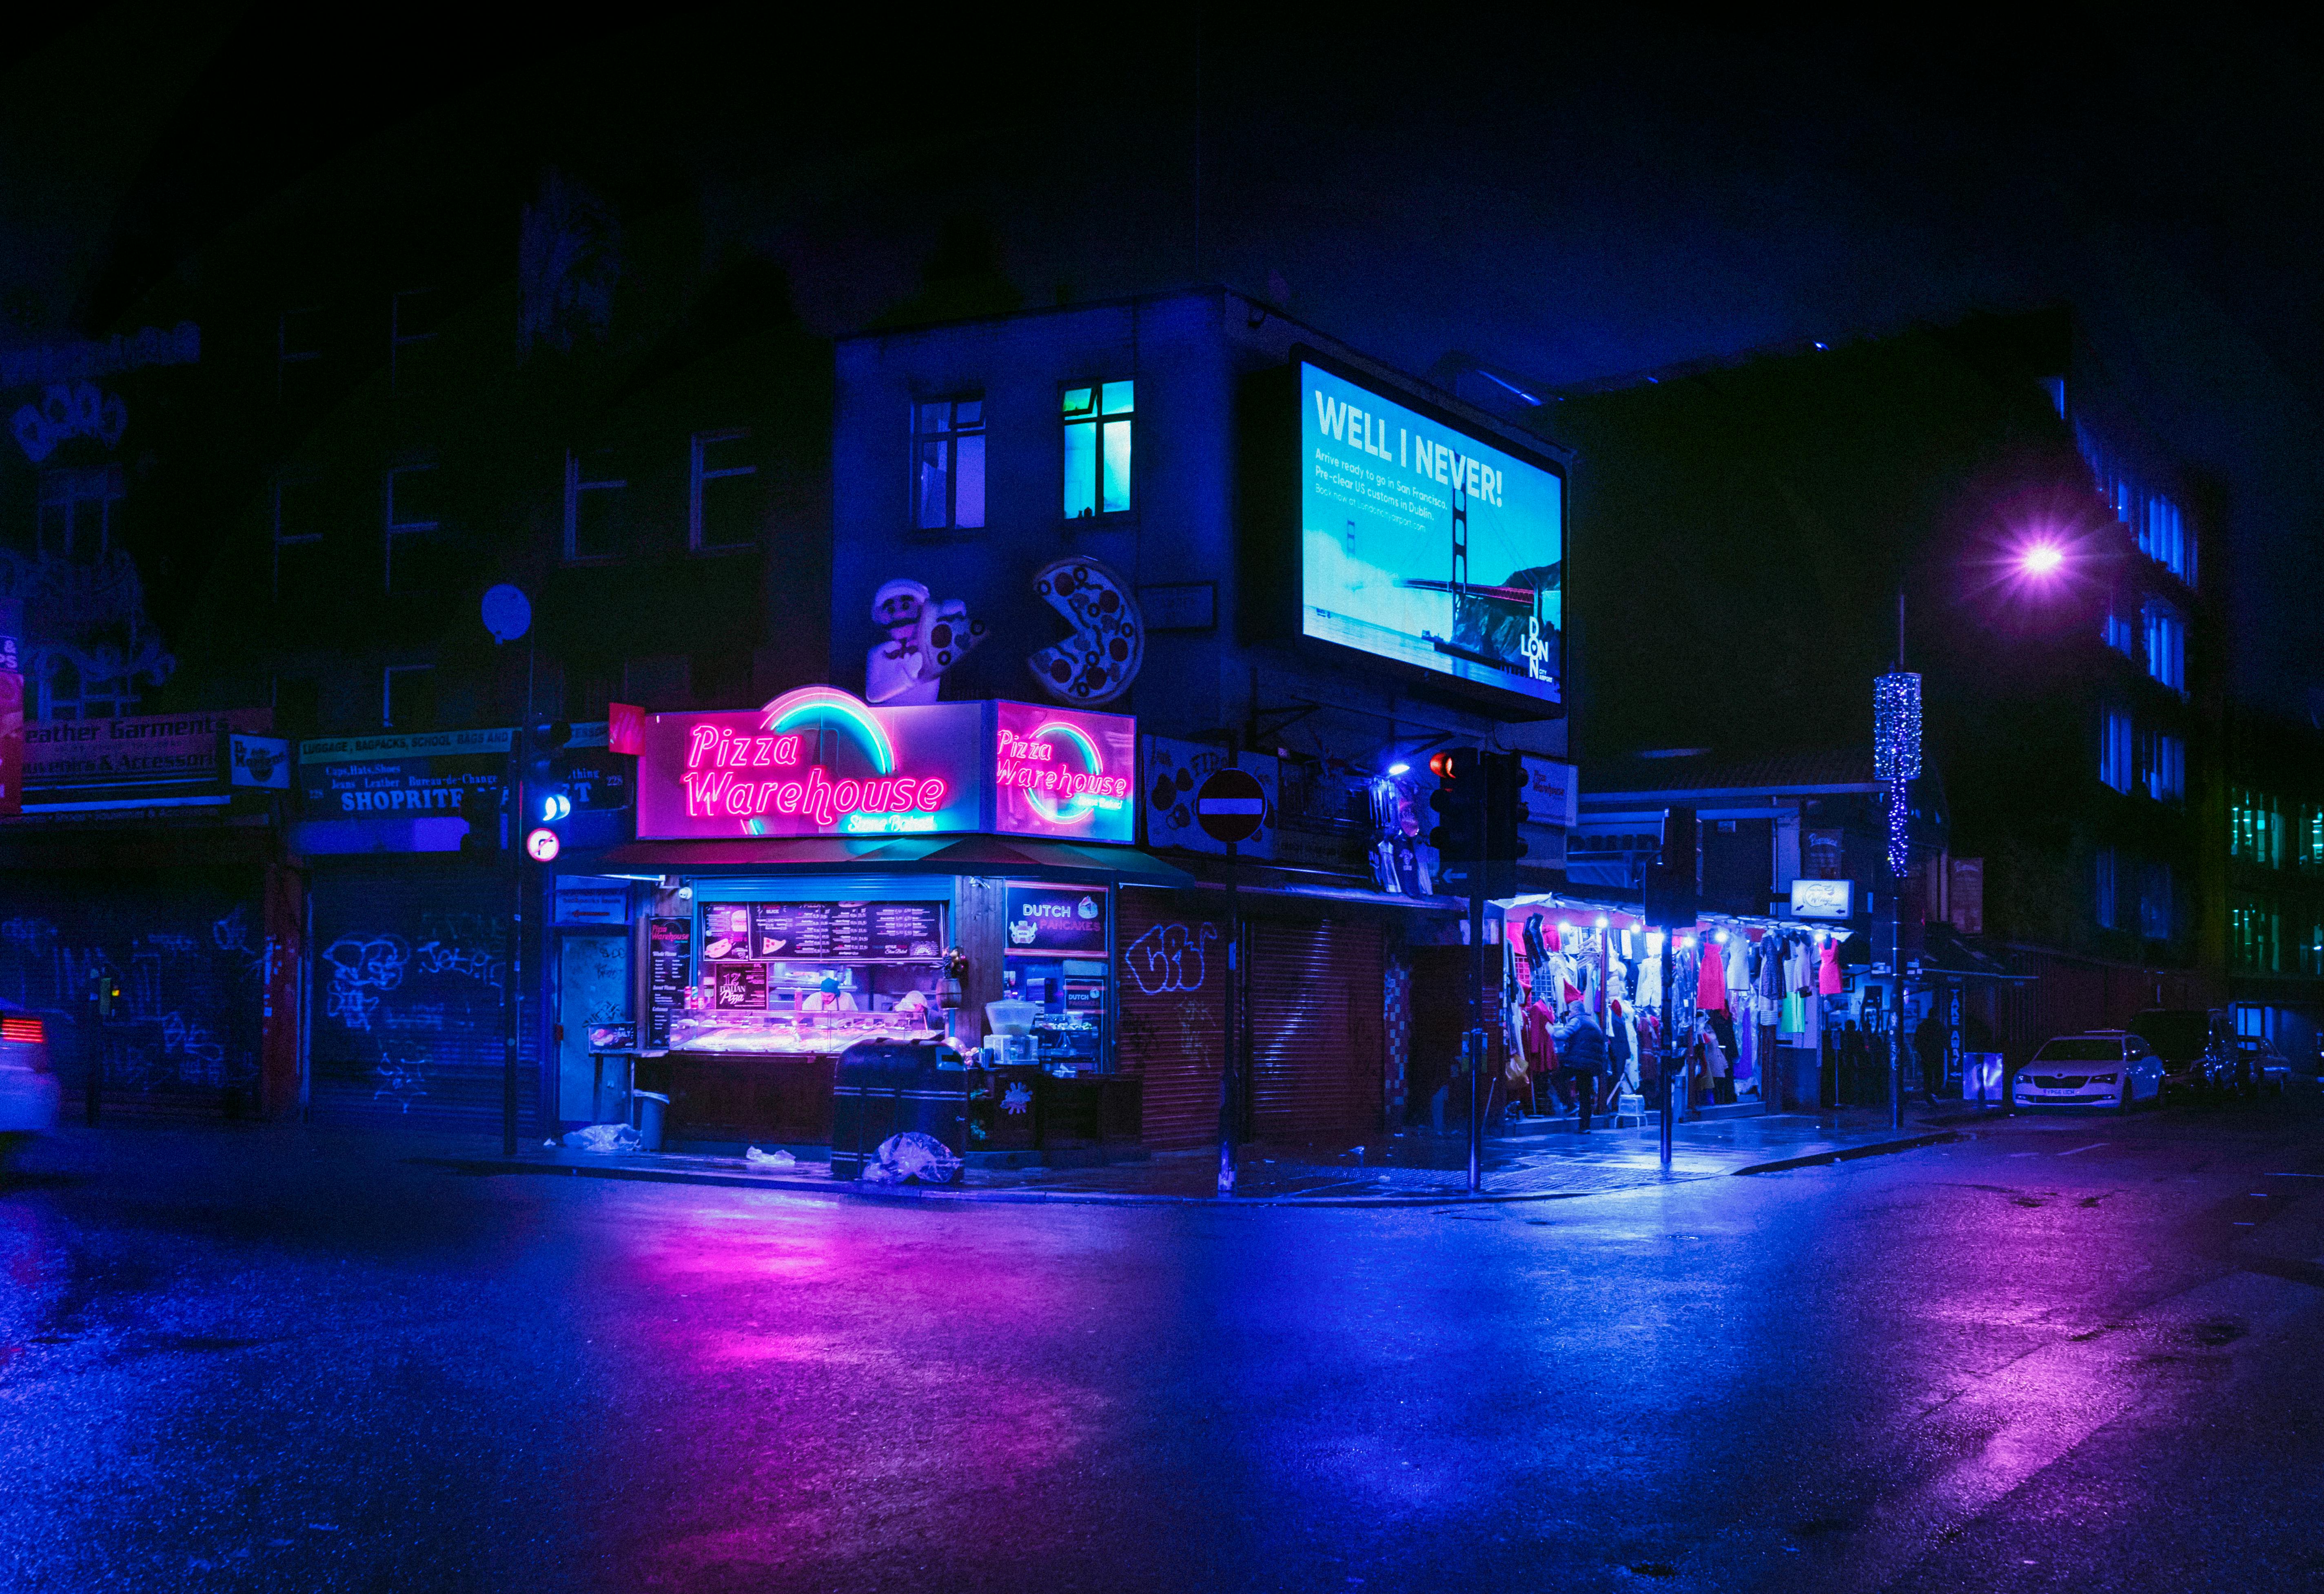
(828, 998)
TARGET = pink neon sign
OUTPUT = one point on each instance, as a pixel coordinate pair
(1064, 772)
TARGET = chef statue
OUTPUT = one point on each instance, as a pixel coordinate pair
(925, 638)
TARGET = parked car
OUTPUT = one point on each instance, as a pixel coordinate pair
(2197, 1046)
(28, 1084)
(2263, 1070)
(2098, 1068)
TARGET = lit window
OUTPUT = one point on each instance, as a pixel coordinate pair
(948, 463)
(722, 499)
(2115, 748)
(2166, 645)
(2105, 872)
(2120, 634)
(2166, 770)
(593, 507)
(1098, 435)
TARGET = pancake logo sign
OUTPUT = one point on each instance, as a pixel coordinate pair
(1099, 660)
(1060, 773)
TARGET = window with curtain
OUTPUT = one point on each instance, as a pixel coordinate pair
(948, 463)
(2115, 752)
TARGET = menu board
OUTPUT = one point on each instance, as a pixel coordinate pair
(669, 947)
(846, 932)
(725, 930)
(738, 986)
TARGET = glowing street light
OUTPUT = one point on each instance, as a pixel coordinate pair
(2042, 559)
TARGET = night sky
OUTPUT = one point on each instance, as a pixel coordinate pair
(1566, 202)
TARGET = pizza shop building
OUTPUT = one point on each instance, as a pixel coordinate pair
(1264, 549)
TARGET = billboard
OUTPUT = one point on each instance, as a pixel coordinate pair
(1422, 544)
(1066, 772)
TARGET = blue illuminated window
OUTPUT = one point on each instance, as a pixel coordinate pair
(2115, 748)
(2104, 880)
(2166, 645)
(948, 463)
(1098, 422)
(2155, 906)
(2120, 634)
(2166, 770)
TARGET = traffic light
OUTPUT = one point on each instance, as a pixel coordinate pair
(1459, 800)
(1505, 809)
(1670, 883)
(548, 779)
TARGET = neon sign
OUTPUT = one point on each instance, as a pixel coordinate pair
(1063, 772)
(817, 762)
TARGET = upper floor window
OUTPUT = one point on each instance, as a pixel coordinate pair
(595, 495)
(83, 689)
(2166, 769)
(721, 502)
(2114, 747)
(2106, 900)
(298, 349)
(407, 697)
(76, 510)
(2255, 828)
(298, 526)
(413, 325)
(2166, 645)
(2255, 935)
(2156, 906)
(2163, 537)
(1098, 422)
(2120, 634)
(948, 463)
(409, 508)
(2311, 839)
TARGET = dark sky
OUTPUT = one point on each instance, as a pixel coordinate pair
(1568, 200)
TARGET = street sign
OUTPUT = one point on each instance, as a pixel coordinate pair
(542, 846)
(1230, 806)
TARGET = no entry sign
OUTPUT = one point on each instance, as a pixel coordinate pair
(1230, 806)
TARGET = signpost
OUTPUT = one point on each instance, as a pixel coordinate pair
(507, 614)
(1229, 807)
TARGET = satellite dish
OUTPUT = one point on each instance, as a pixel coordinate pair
(508, 613)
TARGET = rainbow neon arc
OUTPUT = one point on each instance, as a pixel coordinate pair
(1065, 773)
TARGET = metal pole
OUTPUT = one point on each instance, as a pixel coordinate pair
(1670, 978)
(511, 1002)
(1473, 1043)
(1896, 1030)
(1227, 1087)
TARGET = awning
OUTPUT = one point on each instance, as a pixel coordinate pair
(904, 855)
(1949, 952)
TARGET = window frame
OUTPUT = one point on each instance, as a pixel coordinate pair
(573, 488)
(392, 527)
(697, 473)
(951, 435)
(387, 692)
(398, 340)
(1100, 422)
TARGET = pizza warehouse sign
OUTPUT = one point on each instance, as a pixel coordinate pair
(818, 761)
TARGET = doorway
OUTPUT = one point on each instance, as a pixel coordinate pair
(592, 988)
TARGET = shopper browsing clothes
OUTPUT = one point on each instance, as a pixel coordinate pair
(1581, 1053)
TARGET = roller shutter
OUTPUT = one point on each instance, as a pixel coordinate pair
(408, 1026)
(1171, 986)
(189, 948)
(1318, 1030)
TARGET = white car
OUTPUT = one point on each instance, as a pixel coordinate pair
(28, 1086)
(2098, 1068)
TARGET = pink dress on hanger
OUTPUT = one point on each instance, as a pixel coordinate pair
(1710, 984)
(1827, 980)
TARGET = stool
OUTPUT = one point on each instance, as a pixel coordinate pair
(1630, 1111)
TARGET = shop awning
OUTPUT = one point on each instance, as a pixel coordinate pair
(1949, 952)
(909, 854)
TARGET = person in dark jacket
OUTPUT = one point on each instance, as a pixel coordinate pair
(1581, 1052)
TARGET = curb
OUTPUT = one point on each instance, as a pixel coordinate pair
(1824, 1159)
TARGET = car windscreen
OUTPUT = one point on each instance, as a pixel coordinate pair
(2178, 1034)
(2076, 1049)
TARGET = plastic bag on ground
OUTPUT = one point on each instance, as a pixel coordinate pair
(604, 1136)
(912, 1156)
(777, 1158)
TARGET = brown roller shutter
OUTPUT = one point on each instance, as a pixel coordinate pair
(1319, 1049)
(1172, 989)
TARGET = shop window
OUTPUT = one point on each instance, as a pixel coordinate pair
(77, 513)
(2166, 645)
(948, 463)
(722, 499)
(2115, 748)
(2106, 903)
(408, 497)
(595, 496)
(1098, 422)
(407, 697)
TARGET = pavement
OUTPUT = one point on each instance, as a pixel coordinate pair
(2052, 1355)
(1545, 1160)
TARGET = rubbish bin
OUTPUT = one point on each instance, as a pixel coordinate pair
(886, 1087)
(650, 1106)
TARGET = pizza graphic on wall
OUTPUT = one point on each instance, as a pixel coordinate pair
(1097, 663)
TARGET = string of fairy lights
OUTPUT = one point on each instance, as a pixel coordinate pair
(1896, 755)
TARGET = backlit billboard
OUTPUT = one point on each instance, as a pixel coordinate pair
(1424, 544)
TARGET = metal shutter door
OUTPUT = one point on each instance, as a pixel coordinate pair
(407, 1027)
(1172, 990)
(189, 946)
(1318, 1029)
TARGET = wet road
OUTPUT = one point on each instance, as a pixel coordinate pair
(2064, 1354)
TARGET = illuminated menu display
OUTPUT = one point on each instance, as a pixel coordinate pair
(824, 932)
